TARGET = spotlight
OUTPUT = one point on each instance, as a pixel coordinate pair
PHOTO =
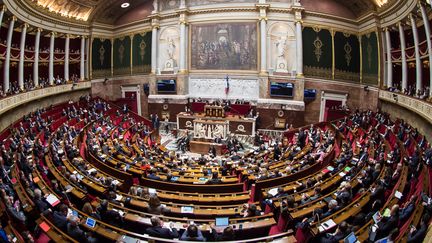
(125, 5)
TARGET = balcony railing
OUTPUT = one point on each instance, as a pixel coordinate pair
(421, 107)
(13, 101)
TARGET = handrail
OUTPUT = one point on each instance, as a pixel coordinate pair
(421, 107)
(13, 101)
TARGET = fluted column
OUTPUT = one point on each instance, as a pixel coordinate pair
(82, 56)
(51, 60)
(154, 49)
(299, 42)
(6, 82)
(417, 54)
(263, 35)
(2, 11)
(87, 58)
(403, 55)
(66, 62)
(36, 58)
(182, 65)
(389, 59)
(429, 43)
(21, 57)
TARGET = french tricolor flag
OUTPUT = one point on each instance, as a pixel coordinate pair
(227, 85)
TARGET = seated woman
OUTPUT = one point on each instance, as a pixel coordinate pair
(155, 206)
(250, 210)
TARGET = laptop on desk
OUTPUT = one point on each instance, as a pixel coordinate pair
(351, 238)
(222, 222)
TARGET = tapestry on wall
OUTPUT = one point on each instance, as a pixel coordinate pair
(101, 58)
(230, 46)
(317, 52)
(141, 53)
(347, 57)
(122, 56)
(370, 54)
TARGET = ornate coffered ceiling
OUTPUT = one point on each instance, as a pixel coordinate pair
(109, 11)
(103, 11)
(358, 7)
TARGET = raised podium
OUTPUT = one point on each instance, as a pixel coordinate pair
(213, 123)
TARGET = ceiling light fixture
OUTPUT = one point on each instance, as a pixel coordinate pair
(125, 5)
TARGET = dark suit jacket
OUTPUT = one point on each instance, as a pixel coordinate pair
(158, 231)
(418, 235)
(76, 233)
(59, 220)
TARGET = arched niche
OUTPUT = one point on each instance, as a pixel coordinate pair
(281, 46)
(169, 49)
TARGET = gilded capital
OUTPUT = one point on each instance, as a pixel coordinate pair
(14, 18)
(263, 18)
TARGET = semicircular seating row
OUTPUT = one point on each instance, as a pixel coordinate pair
(107, 169)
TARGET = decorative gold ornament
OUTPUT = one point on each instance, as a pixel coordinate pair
(348, 56)
(121, 52)
(142, 47)
(318, 48)
(101, 55)
(281, 113)
(369, 52)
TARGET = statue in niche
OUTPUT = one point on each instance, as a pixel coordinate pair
(170, 63)
(281, 48)
(155, 6)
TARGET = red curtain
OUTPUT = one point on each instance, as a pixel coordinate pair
(130, 100)
(330, 113)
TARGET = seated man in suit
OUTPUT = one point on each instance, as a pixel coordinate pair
(226, 235)
(417, 235)
(152, 175)
(192, 233)
(60, 217)
(215, 179)
(316, 195)
(332, 208)
(157, 229)
(75, 231)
